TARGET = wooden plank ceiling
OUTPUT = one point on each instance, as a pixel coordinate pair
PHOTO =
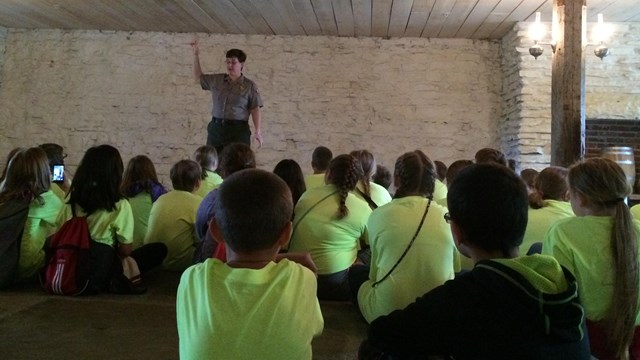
(472, 19)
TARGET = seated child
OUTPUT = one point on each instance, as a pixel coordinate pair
(507, 307)
(289, 171)
(28, 180)
(141, 187)
(367, 190)
(251, 307)
(330, 222)
(548, 203)
(441, 170)
(173, 216)
(382, 176)
(320, 160)
(529, 177)
(600, 246)
(428, 255)
(234, 157)
(207, 157)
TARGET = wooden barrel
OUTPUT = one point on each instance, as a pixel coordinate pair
(623, 155)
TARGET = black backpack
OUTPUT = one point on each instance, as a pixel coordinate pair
(13, 216)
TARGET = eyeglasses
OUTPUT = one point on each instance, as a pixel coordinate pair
(447, 218)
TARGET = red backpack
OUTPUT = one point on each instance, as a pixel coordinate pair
(66, 270)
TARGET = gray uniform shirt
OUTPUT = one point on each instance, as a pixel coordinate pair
(231, 101)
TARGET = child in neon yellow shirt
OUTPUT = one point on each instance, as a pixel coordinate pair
(253, 306)
(173, 216)
(207, 157)
(600, 246)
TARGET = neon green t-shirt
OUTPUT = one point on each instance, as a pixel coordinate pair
(172, 222)
(635, 211)
(42, 221)
(428, 263)
(582, 245)
(540, 221)
(212, 181)
(440, 191)
(236, 313)
(314, 180)
(106, 227)
(56, 189)
(141, 207)
(333, 243)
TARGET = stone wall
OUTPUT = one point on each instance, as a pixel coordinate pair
(3, 36)
(135, 91)
(611, 90)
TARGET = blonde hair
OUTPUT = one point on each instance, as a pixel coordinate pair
(603, 183)
(27, 176)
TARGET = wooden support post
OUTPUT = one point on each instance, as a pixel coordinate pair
(568, 83)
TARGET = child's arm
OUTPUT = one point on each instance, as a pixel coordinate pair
(302, 258)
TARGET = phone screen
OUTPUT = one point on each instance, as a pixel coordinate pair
(58, 172)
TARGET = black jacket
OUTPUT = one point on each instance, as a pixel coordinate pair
(491, 312)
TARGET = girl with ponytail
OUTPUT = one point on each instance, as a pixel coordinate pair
(548, 203)
(366, 189)
(428, 259)
(600, 246)
(329, 221)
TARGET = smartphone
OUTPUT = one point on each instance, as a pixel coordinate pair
(58, 173)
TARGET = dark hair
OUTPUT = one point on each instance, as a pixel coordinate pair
(9, 157)
(529, 176)
(237, 53)
(550, 184)
(236, 157)
(139, 172)
(207, 157)
(96, 184)
(489, 204)
(321, 158)
(491, 155)
(252, 208)
(344, 172)
(27, 176)
(455, 168)
(368, 165)
(289, 171)
(511, 163)
(185, 175)
(416, 174)
(604, 184)
(441, 170)
(382, 176)
(55, 154)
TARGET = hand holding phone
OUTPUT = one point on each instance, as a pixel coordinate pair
(58, 173)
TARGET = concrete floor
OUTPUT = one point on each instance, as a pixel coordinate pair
(34, 325)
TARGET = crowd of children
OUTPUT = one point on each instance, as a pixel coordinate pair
(433, 257)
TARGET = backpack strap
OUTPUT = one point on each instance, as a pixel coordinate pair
(408, 246)
(368, 199)
(295, 226)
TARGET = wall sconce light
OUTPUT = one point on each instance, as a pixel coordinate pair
(537, 32)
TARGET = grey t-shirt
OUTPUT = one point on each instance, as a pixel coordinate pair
(231, 100)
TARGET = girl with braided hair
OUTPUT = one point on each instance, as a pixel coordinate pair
(600, 247)
(366, 189)
(412, 228)
(329, 221)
